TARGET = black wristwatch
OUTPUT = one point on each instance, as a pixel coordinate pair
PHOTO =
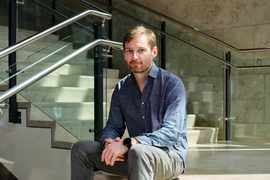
(127, 142)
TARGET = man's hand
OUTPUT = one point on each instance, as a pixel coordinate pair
(114, 151)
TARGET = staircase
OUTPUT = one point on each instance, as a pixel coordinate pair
(66, 95)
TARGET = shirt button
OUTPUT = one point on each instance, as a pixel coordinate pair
(146, 129)
(143, 117)
(142, 102)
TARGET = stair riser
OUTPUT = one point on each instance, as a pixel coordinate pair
(69, 81)
(63, 113)
(54, 94)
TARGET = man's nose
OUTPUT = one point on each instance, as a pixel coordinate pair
(135, 55)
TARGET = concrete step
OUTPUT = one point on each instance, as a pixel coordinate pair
(53, 51)
(198, 135)
(198, 87)
(72, 111)
(37, 46)
(23, 33)
(61, 94)
(55, 80)
(80, 129)
(66, 69)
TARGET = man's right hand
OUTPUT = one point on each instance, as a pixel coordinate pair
(114, 151)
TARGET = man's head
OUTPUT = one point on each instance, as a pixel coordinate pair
(139, 49)
(138, 31)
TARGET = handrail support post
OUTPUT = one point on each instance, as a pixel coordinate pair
(14, 115)
(98, 78)
(228, 97)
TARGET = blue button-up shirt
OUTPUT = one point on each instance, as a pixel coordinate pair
(155, 117)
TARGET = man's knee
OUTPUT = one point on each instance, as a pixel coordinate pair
(139, 152)
(86, 147)
(76, 146)
(136, 151)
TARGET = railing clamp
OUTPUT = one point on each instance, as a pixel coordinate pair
(106, 55)
(103, 22)
(224, 66)
(227, 118)
(20, 2)
(3, 105)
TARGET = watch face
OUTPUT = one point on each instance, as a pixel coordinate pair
(127, 142)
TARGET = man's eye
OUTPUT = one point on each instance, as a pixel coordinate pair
(141, 50)
(128, 51)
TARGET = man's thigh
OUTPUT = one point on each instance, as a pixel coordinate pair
(164, 162)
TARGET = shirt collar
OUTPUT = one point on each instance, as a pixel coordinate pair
(154, 71)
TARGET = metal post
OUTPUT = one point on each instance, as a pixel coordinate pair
(163, 46)
(228, 97)
(98, 72)
(110, 34)
(14, 115)
(54, 8)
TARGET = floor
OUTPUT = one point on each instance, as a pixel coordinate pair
(228, 160)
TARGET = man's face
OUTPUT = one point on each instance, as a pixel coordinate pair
(138, 54)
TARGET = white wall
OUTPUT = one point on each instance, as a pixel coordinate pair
(27, 152)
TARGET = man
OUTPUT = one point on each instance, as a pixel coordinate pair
(151, 103)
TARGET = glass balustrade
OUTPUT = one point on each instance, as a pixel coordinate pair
(249, 105)
(65, 96)
(203, 78)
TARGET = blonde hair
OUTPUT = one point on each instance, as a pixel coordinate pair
(138, 31)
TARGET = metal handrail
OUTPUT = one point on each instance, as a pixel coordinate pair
(59, 15)
(16, 89)
(57, 27)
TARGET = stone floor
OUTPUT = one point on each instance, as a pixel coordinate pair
(228, 160)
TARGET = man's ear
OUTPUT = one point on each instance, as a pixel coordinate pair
(154, 52)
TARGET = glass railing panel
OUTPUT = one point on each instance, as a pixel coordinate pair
(32, 19)
(243, 59)
(136, 12)
(195, 39)
(52, 19)
(249, 105)
(3, 25)
(203, 78)
(67, 94)
(4, 13)
(4, 9)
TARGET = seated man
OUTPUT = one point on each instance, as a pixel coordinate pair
(151, 102)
